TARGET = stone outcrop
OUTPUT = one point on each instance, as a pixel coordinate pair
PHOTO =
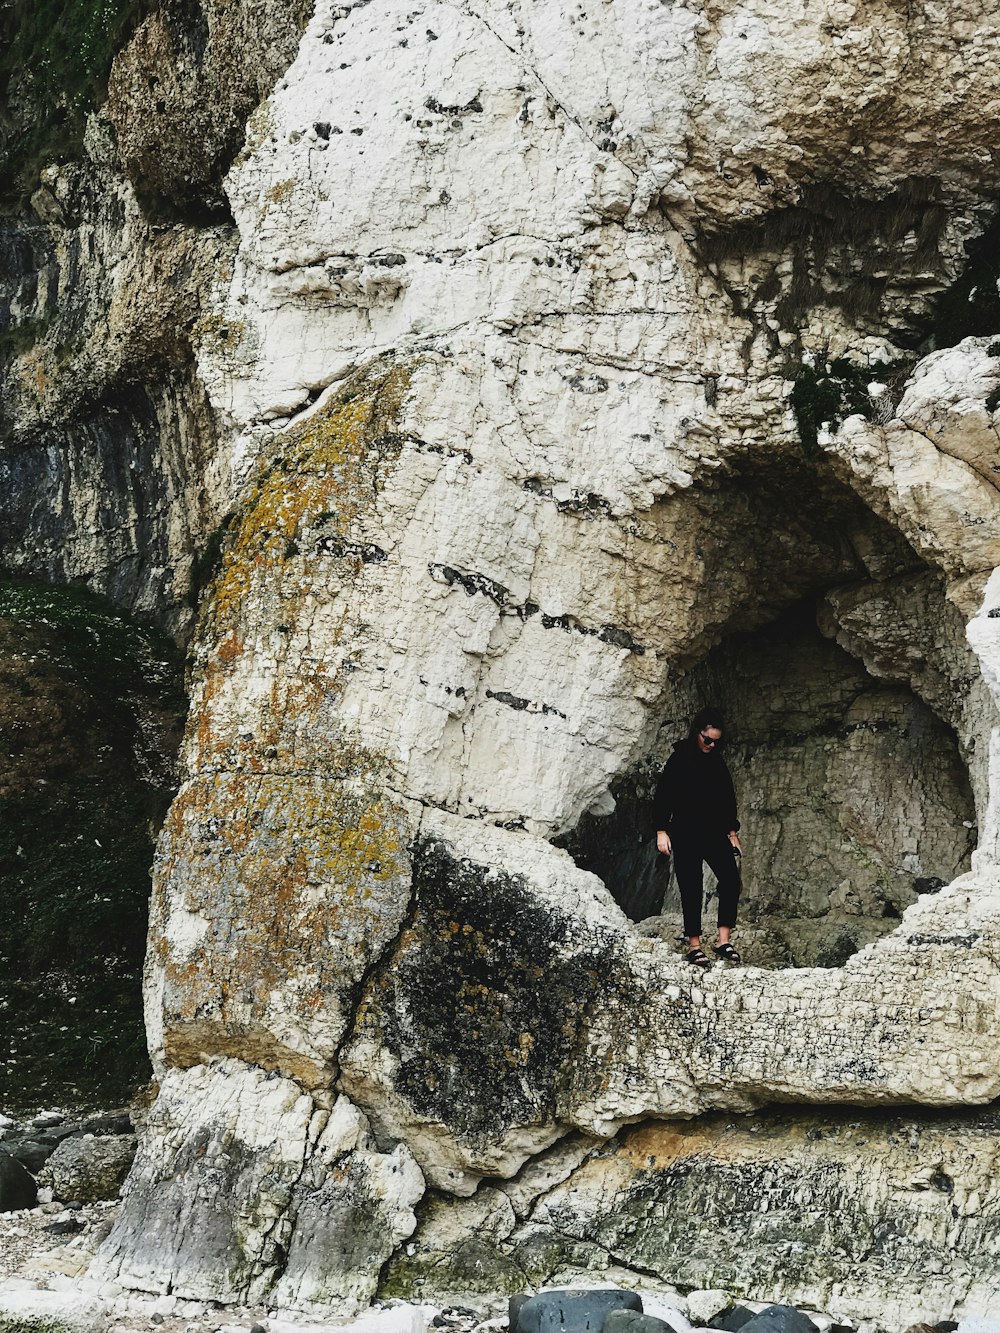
(231, 1156)
(180, 93)
(112, 470)
(109, 464)
(889, 1216)
(88, 1169)
(558, 370)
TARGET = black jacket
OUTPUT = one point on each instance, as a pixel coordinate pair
(695, 793)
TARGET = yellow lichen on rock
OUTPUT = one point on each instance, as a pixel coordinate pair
(322, 471)
(283, 868)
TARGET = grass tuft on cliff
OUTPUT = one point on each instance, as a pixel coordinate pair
(55, 57)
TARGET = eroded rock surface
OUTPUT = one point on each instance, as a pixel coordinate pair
(815, 1208)
(554, 361)
(272, 1194)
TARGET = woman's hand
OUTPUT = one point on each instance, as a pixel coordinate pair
(734, 839)
(663, 842)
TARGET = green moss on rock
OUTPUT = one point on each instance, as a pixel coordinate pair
(55, 56)
(827, 392)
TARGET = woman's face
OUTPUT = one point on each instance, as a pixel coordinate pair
(708, 739)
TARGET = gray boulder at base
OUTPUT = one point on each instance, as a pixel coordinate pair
(733, 1319)
(630, 1321)
(573, 1311)
(779, 1319)
(31, 1153)
(17, 1188)
(89, 1169)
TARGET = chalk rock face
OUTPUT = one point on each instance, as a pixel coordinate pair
(566, 369)
(933, 468)
(234, 1155)
(809, 1207)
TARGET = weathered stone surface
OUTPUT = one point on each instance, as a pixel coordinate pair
(51, 1312)
(253, 1171)
(182, 89)
(298, 828)
(458, 1253)
(631, 1321)
(531, 361)
(808, 1209)
(354, 1206)
(89, 1169)
(703, 1306)
(464, 1040)
(109, 449)
(780, 1319)
(932, 468)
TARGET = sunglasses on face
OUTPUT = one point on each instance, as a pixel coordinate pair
(708, 740)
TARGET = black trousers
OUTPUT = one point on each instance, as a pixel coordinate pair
(690, 850)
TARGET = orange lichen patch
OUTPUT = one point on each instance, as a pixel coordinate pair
(285, 554)
(230, 647)
(280, 191)
(192, 1043)
(301, 877)
(325, 470)
(658, 1146)
(303, 881)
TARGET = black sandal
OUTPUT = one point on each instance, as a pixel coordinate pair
(697, 958)
(727, 953)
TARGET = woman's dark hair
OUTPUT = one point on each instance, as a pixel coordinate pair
(706, 717)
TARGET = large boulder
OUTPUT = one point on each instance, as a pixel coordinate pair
(17, 1185)
(88, 1169)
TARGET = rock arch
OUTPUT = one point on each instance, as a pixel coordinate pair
(330, 913)
(854, 713)
(475, 458)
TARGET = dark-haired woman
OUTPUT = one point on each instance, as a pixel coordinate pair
(695, 812)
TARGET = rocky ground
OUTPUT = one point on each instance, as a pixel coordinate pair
(46, 1249)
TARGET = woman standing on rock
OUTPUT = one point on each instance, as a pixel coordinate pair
(695, 812)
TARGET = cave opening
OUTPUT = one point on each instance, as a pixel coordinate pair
(849, 694)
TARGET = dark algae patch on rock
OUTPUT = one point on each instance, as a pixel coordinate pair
(487, 997)
(91, 706)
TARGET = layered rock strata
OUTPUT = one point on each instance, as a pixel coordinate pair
(112, 470)
(903, 1203)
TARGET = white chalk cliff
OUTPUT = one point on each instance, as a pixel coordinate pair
(568, 365)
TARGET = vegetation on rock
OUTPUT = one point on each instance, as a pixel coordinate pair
(54, 61)
(90, 706)
(825, 393)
